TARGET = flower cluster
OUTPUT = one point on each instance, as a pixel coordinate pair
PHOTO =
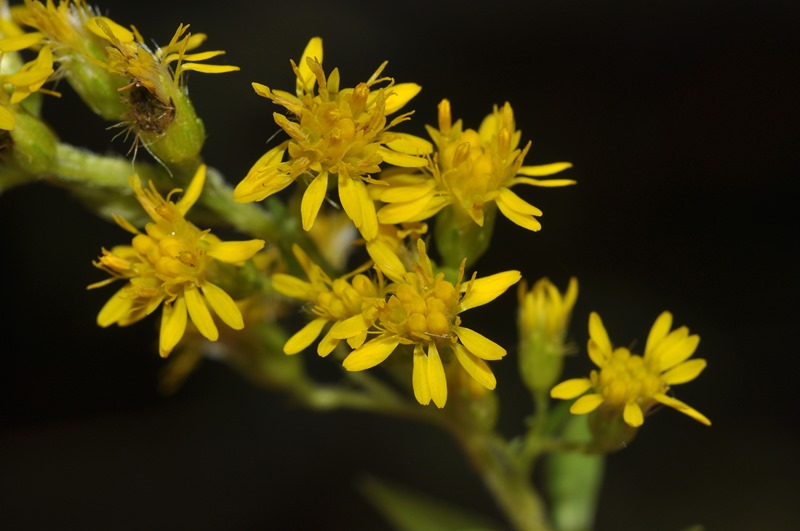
(418, 312)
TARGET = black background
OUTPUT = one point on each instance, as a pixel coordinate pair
(680, 118)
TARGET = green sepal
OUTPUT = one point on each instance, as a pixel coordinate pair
(458, 236)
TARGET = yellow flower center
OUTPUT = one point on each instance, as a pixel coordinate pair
(626, 378)
(345, 300)
(422, 309)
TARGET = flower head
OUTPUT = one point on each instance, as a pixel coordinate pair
(172, 262)
(350, 304)
(632, 384)
(338, 134)
(470, 171)
(423, 312)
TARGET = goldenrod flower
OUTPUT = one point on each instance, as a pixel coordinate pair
(339, 134)
(351, 306)
(630, 383)
(423, 312)
(174, 263)
(470, 170)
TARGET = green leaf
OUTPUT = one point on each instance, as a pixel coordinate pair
(407, 510)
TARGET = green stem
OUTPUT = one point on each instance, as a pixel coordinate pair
(506, 478)
(77, 166)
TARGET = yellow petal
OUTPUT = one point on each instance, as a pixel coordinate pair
(516, 203)
(116, 308)
(7, 120)
(410, 144)
(479, 345)
(173, 326)
(409, 210)
(570, 389)
(19, 42)
(234, 252)
(410, 192)
(483, 290)
(676, 353)
(103, 26)
(207, 69)
(436, 377)
(598, 356)
(386, 260)
(659, 330)
(198, 312)
(312, 199)
(402, 160)
(304, 337)
(265, 177)
(598, 333)
(350, 327)
(475, 367)
(371, 353)
(223, 305)
(548, 183)
(419, 376)
(194, 190)
(348, 196)
(683, 408)
(401, 94)
(292, 287)
(586, 404)
(685, 372)
(544, 169)
(369, 226)
(327, 344)
(526, 221)
(313, 51)
(632, 415)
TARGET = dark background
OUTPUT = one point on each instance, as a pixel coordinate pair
(680, 118)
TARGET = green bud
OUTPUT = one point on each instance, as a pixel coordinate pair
(171, 132)
(97, 87)
(458, 236)
(543, 317)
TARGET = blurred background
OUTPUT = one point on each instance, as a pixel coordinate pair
(681, 121)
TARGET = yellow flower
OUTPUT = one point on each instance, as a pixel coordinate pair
(171, 262)
(630, 383)
(470, 170)
(423, 312)
(351, 306)
(339, 134)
